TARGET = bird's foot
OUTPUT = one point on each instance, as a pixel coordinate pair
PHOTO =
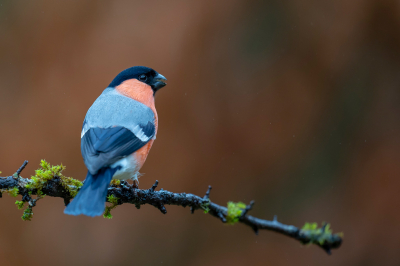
(135, 184)
(124, 184)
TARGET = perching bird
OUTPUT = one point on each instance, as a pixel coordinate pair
(117, 134)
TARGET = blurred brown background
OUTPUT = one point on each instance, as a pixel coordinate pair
(295, 104)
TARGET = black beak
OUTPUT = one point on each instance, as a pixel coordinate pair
(159, 82)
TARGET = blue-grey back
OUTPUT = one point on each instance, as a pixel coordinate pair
(114, 109)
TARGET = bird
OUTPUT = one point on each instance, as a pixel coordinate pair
(117, 134)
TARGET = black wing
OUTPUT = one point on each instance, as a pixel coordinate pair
(102, 147)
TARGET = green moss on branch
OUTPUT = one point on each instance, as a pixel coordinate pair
(234, 212)
(114, 203)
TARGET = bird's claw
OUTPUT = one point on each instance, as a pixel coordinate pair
(135, 184)
(125, 185)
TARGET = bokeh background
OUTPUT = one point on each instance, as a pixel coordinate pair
(295, 104)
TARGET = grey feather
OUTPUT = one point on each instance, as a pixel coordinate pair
(114, 109)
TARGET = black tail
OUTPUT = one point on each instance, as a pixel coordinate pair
(91, 198)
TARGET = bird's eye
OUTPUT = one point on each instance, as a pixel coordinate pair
(143, 77)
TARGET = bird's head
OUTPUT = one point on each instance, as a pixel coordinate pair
(140, 74)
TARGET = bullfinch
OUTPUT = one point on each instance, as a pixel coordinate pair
(117, 134)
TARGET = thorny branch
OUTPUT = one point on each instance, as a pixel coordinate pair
(126, 193)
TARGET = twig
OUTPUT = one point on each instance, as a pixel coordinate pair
(154, 186)
(138, 197)
(21, 169)
(207, 195)
(248, 208)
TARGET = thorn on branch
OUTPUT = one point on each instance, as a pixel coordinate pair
(221, 216)
(207, 196)
(162, 208)
(248, 208)
(154, 186)
(20, 169)
(328, 250)
(192, 209)
(275, 219)
(255, 229)
(66, 201)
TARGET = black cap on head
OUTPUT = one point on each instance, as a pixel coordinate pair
(143, 74)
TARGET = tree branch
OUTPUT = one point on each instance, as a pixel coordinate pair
(55, 186)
